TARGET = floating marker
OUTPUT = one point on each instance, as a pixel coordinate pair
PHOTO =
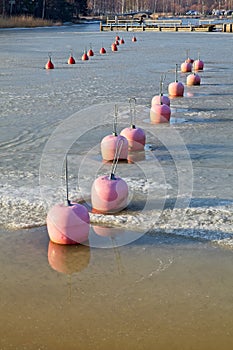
(109, 194)
(85, 56)
(157, 99)
(71, 59)
(68, 223)
(110, 142)
(49, 64)
(136, 136)
(176, 89)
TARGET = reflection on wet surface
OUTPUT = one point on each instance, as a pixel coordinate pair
(160, 292)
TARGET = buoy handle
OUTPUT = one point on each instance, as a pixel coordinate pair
(116, 159)
(132, 111)
(115, 121)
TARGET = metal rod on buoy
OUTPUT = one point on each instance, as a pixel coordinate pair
(116, 159)
(176, 73)
(132, 106)
(68, 203)
(115, 121)
(162, 79)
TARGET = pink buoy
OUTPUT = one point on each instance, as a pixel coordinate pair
(102, 50)
(158, 99)
(116, 42)
(134, 39)
(136, 136)
(109, 144)
(160, 114)
(108, 147)
(71, 60)
(68, 223)
(114, 47)
(188, 59)
(176, 89)
(68, 260)
(186, 67)
(193, 79)
(198, 65)
(109, 194)
(49, 64)
(85, 56)
(122, 41)
(117, 37)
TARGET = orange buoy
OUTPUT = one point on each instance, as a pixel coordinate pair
(85, 56)
(134, 39)
(90, 52)
(49, 64)
(193, 79)
(102, 51)
(71, 60)
(122, 41)
(176, 89)
(114, 47)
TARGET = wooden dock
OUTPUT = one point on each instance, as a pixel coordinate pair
(165, 25)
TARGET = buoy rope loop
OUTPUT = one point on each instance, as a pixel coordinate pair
(116, 158)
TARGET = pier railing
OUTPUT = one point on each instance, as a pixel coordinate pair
(164, 25)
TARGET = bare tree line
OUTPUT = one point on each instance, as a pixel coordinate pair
(71, 9)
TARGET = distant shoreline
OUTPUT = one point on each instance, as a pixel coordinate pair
(31, 22)
(26, 22)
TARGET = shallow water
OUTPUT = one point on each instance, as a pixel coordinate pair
(164, 290)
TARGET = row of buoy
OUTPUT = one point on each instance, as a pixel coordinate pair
(160, 111)
(90, 53)
(69, 223)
